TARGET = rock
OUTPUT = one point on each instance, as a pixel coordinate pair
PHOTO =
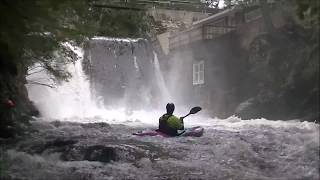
(100, 153)
(247, 109)
(244, 105)
(61, 142)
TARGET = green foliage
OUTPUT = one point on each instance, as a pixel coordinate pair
(123, 23)
(309, 11)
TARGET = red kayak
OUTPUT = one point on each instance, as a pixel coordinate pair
(195, 131)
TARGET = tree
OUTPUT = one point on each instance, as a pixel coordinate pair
(33, 33)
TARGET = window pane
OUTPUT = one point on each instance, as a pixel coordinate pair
(201, 66)
(201, 77)
(195, 79)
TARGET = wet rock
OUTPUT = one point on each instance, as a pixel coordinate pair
(40, 146)
(100, 153)
(56, 123)
(61, 143)
(247, 109)
(41, 126)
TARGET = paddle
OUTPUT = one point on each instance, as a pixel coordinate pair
(194, 110)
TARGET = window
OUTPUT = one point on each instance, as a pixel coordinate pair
(198, 73)
(213, 31)
(216, 28)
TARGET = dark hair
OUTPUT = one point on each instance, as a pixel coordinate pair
(170, 108)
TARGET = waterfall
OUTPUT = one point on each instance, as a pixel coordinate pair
(136, 63)
(72, 98)
(166, 97)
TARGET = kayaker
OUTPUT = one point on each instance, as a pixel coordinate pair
(170, 124)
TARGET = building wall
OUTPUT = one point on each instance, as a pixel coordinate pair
(186, 17)
(164, 42)
(214, 93)
(225, 65)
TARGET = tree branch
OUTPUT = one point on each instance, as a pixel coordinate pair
(42, 84)
(28, 74)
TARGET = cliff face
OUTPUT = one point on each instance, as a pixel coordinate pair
(15, 106)
(283, 73)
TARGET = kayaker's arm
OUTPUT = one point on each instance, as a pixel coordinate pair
(182, 124)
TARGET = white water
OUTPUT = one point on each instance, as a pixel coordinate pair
(229, 149)
(166, 96)
(136, 64)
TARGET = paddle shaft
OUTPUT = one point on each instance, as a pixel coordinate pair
(194, 110)
(185, 116)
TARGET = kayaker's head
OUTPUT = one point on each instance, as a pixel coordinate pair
(170, 108)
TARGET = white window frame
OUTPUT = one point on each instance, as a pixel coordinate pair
(198, 73)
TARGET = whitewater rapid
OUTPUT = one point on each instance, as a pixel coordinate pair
(229, 149)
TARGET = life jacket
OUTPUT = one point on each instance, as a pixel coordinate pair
(164, 126)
